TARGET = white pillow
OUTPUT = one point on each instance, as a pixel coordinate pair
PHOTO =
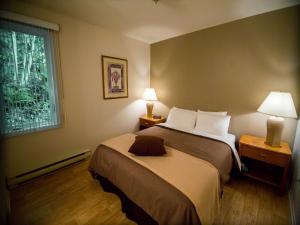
(213, 124)
(182, 118)
(214, 113)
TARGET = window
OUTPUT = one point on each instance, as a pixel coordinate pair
(29, 99)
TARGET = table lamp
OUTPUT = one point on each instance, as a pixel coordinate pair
(149, 96)
(277, 105)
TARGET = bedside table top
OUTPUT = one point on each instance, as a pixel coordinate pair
(152, 119)
(259, 142)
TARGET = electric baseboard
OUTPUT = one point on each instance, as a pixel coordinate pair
(47, 169)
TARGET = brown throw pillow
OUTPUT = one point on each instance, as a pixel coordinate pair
(148, 146)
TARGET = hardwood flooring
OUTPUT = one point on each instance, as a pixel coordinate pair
(70, 196)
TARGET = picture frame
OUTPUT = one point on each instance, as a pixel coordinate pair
(114, 77)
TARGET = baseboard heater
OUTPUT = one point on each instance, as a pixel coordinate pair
(12, 181)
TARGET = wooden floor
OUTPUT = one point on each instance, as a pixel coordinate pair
(71, 197)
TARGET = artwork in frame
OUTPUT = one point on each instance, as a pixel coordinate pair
(114, 77)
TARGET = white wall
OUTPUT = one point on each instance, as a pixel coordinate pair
(89, 118)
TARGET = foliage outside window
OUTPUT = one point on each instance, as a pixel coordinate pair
(27, 78)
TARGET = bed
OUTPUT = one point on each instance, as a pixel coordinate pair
(182, 187)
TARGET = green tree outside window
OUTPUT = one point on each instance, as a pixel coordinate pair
(29, 100)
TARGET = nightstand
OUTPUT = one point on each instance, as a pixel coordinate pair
(146, 122)
(265, 163)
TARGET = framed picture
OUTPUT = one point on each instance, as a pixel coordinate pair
(114, 77)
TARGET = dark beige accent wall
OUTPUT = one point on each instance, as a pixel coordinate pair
(232, 67)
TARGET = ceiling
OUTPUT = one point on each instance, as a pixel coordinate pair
(149, 22)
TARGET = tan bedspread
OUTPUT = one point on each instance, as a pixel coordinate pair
(182, 187)
(194, 177)
(216, 152)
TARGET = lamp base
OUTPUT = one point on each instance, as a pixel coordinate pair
(274, 131)
(149, 109)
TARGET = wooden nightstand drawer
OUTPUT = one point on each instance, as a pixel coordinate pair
(263, 162)
(274, 158)
(146, 123)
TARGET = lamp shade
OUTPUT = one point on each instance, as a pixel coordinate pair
(149, 94)
(278, 104)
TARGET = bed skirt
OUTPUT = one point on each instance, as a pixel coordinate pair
(132, 210)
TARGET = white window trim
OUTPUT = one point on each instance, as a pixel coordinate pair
(28, 20)
(51, 64)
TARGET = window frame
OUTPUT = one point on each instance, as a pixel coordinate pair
(52, 70)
